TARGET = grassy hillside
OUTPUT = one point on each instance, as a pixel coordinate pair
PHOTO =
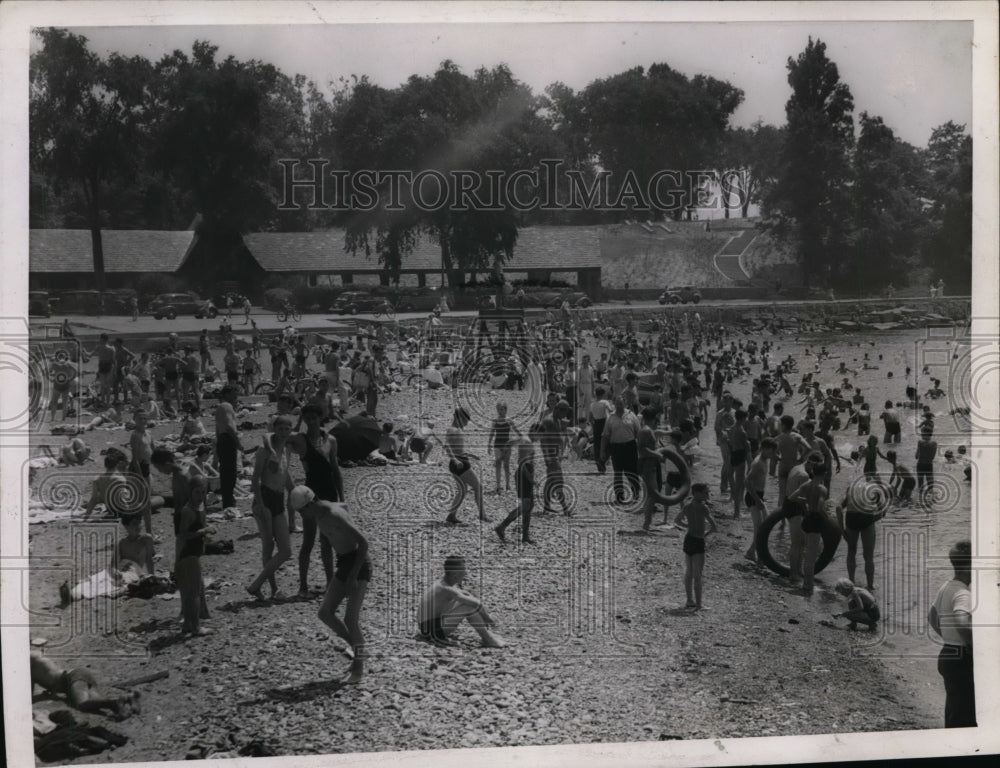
(644, 260)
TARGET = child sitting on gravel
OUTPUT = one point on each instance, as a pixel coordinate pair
(861, 605)
(387, 445)
(136, 546)
(75, 453)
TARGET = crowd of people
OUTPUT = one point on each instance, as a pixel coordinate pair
(611, 396)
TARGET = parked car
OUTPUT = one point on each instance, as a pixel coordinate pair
(80, 302)
(170, 305)
(119, 301)
(538, 299)
(576, 299)
(353, 302)
(412, 299)
(39, 304)
(680, 295)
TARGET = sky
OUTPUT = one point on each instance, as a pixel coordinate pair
(915, 74)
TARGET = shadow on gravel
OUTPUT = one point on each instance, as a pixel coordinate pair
(167, 641)
(253, 604)
(296, 693)
(155, 625)
(248, 536)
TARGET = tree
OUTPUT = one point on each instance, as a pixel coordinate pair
(948, 247)
(810, 202)
(750, 162)
(222, 128)
(886, 220)
(446, 123)
(641, 122)
(86, 119)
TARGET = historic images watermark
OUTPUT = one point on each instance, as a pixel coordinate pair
(550, 186)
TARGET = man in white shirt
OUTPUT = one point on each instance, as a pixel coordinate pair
(951, 617)
(619, 444)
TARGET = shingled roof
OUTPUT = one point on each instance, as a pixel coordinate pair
(556, 248)
(125, 250)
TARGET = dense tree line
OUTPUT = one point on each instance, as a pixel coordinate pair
(128, 143)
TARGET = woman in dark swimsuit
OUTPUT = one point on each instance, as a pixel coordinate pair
(270, 481)
(318, 452)
(460, 465)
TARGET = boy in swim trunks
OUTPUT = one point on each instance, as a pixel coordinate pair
(351, 577)
(890, 416)
(524, 482)
(739, 448)
(141, 445)
(791, 448)
(861, 605)
(756, 484)
(446, 605)
(500, 439)
(697, 515)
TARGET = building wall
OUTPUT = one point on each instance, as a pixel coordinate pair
(71, 281)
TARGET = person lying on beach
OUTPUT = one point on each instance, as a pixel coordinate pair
(110, 416)
(80, 688)
(446, 605)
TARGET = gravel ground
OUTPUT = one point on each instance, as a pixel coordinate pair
(600, 646)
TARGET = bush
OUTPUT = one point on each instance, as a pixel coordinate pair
(322, 296)
(275, 297)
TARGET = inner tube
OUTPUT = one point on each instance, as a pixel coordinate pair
(831, 540)
(668, 453)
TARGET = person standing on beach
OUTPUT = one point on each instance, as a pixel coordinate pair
(227, 444)
(725, 420)
(794, 509)
(951, 618)
(585, 388)
(318, 452)
(524, 484)
(698, 516)
(925, 455)
(857, 514)
(812, 495)
(551, 439)
(756, 484)
(460, 465)
(352, 576)
(791, 448)
(619, 444)
(190, 546)
(270, 481)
